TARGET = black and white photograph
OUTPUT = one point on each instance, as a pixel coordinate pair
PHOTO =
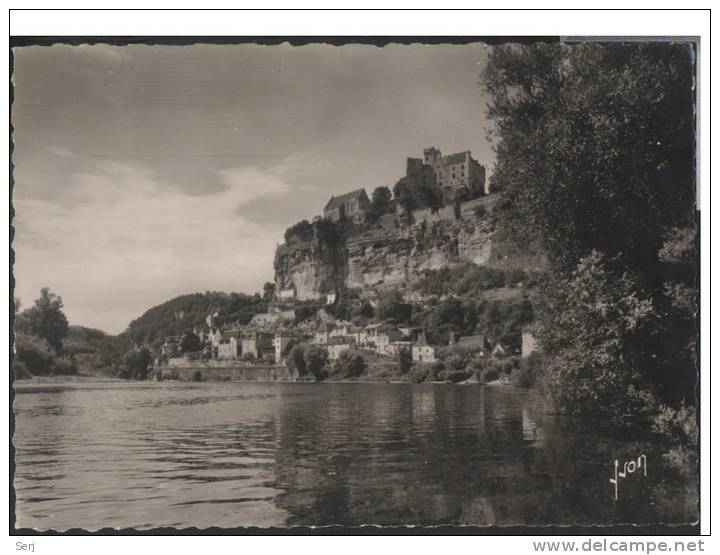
(297, 282)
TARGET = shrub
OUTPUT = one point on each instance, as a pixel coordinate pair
(528, 371)
(489, 374)
(350, 364)
(456, 376)
(405, 361)
(65, 367)
(676, 424)
(197, 376)
(34, 353)
(316, 359)
(248, 357)
(21, 372)
(419, 373)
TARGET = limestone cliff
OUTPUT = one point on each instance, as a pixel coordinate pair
(394, 258)
(310, 269)
(388, 253)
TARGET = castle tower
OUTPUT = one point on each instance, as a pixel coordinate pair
(431, 155)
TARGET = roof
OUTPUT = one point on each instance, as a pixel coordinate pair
(457, 158)
(337, 202)
(473, 341)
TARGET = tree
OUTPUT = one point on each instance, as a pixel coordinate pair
(136, 364)
(596, 168)
(350, 364)
(393, 307)
(34, 353)
(47, 320)
(268, 291)
(405, 361)
(596, 326)
(296, 360)
(316, 359)
(190, 343)
(595, 146)
(380, 203)
(381, 198)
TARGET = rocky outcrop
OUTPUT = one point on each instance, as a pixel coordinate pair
(382, 255)
(396, 258)
(312, 269)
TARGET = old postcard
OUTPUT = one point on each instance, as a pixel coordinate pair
(392, 282)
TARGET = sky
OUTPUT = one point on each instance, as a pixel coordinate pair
(146, 172)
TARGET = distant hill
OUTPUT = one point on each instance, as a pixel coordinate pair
(185, 312)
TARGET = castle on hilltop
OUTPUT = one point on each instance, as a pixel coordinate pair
(453, 173)
(458, 176)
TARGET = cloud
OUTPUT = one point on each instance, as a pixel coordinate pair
(249, 184)
(127, 240)
(61, 152)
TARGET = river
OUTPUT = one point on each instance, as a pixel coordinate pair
(147, 455)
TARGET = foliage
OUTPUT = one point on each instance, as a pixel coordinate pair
(362, 310)
(190, 343)
(65, 367)
(393, 307)
(185, 312)
(405, 361)
(677, 424)
(527, 373)
(300, 232)
(305, 312)
(46, 319)
(380, 203)
(467, 280)
(268, 291)
(593, 324)
(350, 364)
(296, 360)
(489, 374)
(595, 161)
(136, 363)
(34, 353)
(21, 371)
(420, 373)
(316, 360)
(595, 146)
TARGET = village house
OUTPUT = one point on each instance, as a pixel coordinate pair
(259, 344)
(280, 343)
(229, 350)
(422, 352)
(384, 339)
(350, 206)
(285, 294)
(322, 333)
(529, 344)
(396, 347)
(369, 334)
(335, 347)
(475, 342)
(500, 350)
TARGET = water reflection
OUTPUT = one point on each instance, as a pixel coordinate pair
(170, 454)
